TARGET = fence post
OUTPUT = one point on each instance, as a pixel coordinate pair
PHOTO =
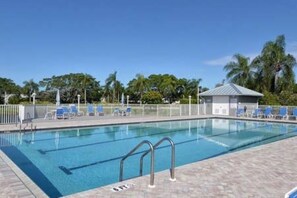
(157, 110)
(190, 113)
(180, 110)
(143, 110)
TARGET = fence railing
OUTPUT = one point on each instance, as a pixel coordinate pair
(168, 110)
(9, 114)
(12, 113)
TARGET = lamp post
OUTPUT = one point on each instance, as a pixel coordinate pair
(190, 113)
(198, 109)
(78, 101)
(127, 100)
(33, 96)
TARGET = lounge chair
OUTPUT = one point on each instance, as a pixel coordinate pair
(128, 111)
(283, 113)
(90, 110)
(60, 113)
(75, 111)
(268, 112)
(99, 110)
(67, 112)
(116, 111)
(294, 113)
(257, 113)
(240, 112)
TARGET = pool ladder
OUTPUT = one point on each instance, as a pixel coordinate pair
(152, 161)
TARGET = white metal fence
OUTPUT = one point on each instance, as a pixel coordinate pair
(12, 113)
(167, 110)
(9, 114)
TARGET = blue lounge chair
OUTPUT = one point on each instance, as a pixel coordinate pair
(60, 113)
(128, 111)
(240, 112)
(99, 110)
(257, 113)
(90, 110)
(283, 113)
(268, 112)
(67, 112)
(294, 113)
(74, 111)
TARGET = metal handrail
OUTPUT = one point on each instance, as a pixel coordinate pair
(172, 171)
(152, 164)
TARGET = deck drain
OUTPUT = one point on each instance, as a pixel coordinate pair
(122, 187)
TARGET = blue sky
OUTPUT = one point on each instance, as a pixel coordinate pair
(187, 38)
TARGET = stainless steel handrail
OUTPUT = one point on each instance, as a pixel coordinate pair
(152, 164)
(172, 171)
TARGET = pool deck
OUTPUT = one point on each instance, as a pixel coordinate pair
(265, 171)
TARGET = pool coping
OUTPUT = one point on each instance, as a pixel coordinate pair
(28, 183)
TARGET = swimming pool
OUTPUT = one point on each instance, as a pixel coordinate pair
(64, 162)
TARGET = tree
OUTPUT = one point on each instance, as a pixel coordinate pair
(152, 97)
(140, 85)
(9, 87)
(239, 71)
(30, 87)
(70, 85)
(110, 83)
(168, 87)
(275, 67)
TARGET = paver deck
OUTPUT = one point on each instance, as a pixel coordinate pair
(264, 171)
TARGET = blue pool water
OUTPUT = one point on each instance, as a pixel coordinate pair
(64, 162)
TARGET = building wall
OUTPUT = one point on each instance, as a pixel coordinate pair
(235, 102)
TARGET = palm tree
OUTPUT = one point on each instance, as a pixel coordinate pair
(140, 85)
(30, 87)
(168, 86)
(239, 70)
(275, 67)
(192, 86)
(111, 82)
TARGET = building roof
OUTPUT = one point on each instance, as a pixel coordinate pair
(231, 90)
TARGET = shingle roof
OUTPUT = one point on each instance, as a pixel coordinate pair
(231, 90)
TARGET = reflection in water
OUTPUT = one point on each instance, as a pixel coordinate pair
(20, 138)
(77, 133)
(57, 140)
(189, 128)
(32, 137)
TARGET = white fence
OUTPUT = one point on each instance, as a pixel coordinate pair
(167, 110)
(9, 114)
(15, 113)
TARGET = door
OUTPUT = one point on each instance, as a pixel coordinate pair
(220, 105)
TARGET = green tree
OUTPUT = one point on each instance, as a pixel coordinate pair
(140, 85)
(168, 87)
(70, 85)
(239, 71)
(30, 87)
(275, 67)
(269, 99)
(152, 97)
(110, 84)
(9, 87)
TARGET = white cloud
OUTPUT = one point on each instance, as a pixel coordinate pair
(219, 61)
(226, 59)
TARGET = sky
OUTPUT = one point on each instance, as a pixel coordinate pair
(187, 38)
